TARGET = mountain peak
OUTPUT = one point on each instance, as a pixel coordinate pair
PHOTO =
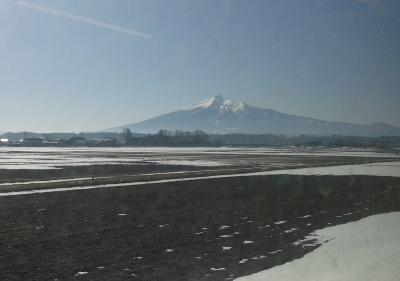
(207, 103)
(217, 102)
(219, 114)
(218, 97)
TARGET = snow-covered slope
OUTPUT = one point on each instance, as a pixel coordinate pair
(222, 115)
(366, 250)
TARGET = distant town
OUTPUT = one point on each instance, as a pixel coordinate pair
(109, 139)
(188, 139)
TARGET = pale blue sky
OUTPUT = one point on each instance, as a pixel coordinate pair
(68, 65)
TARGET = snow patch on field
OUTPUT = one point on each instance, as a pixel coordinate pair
(217, 269)
(198, 163)
(224, 226)
(366, 250)
(81, 273)
(384, 169)
(305, 217)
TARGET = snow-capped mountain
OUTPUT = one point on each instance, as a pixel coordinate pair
(223, 115)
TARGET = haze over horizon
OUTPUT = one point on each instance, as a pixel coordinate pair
(84, 65)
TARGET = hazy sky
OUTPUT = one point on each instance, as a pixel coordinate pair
(73, 65)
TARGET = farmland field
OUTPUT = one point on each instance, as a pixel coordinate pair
(179, 214)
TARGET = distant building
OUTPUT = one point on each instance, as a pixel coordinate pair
(53, 142)
(103, 142)
(32, 141)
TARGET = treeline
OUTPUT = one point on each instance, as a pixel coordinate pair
(167, 138)
(308, 141)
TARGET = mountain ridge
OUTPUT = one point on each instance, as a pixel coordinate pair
(220, 115)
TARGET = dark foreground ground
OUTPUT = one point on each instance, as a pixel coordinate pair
(177, 231)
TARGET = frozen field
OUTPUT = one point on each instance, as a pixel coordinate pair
(195, 214)
(55, 158)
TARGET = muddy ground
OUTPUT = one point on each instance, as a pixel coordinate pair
(177, 231)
